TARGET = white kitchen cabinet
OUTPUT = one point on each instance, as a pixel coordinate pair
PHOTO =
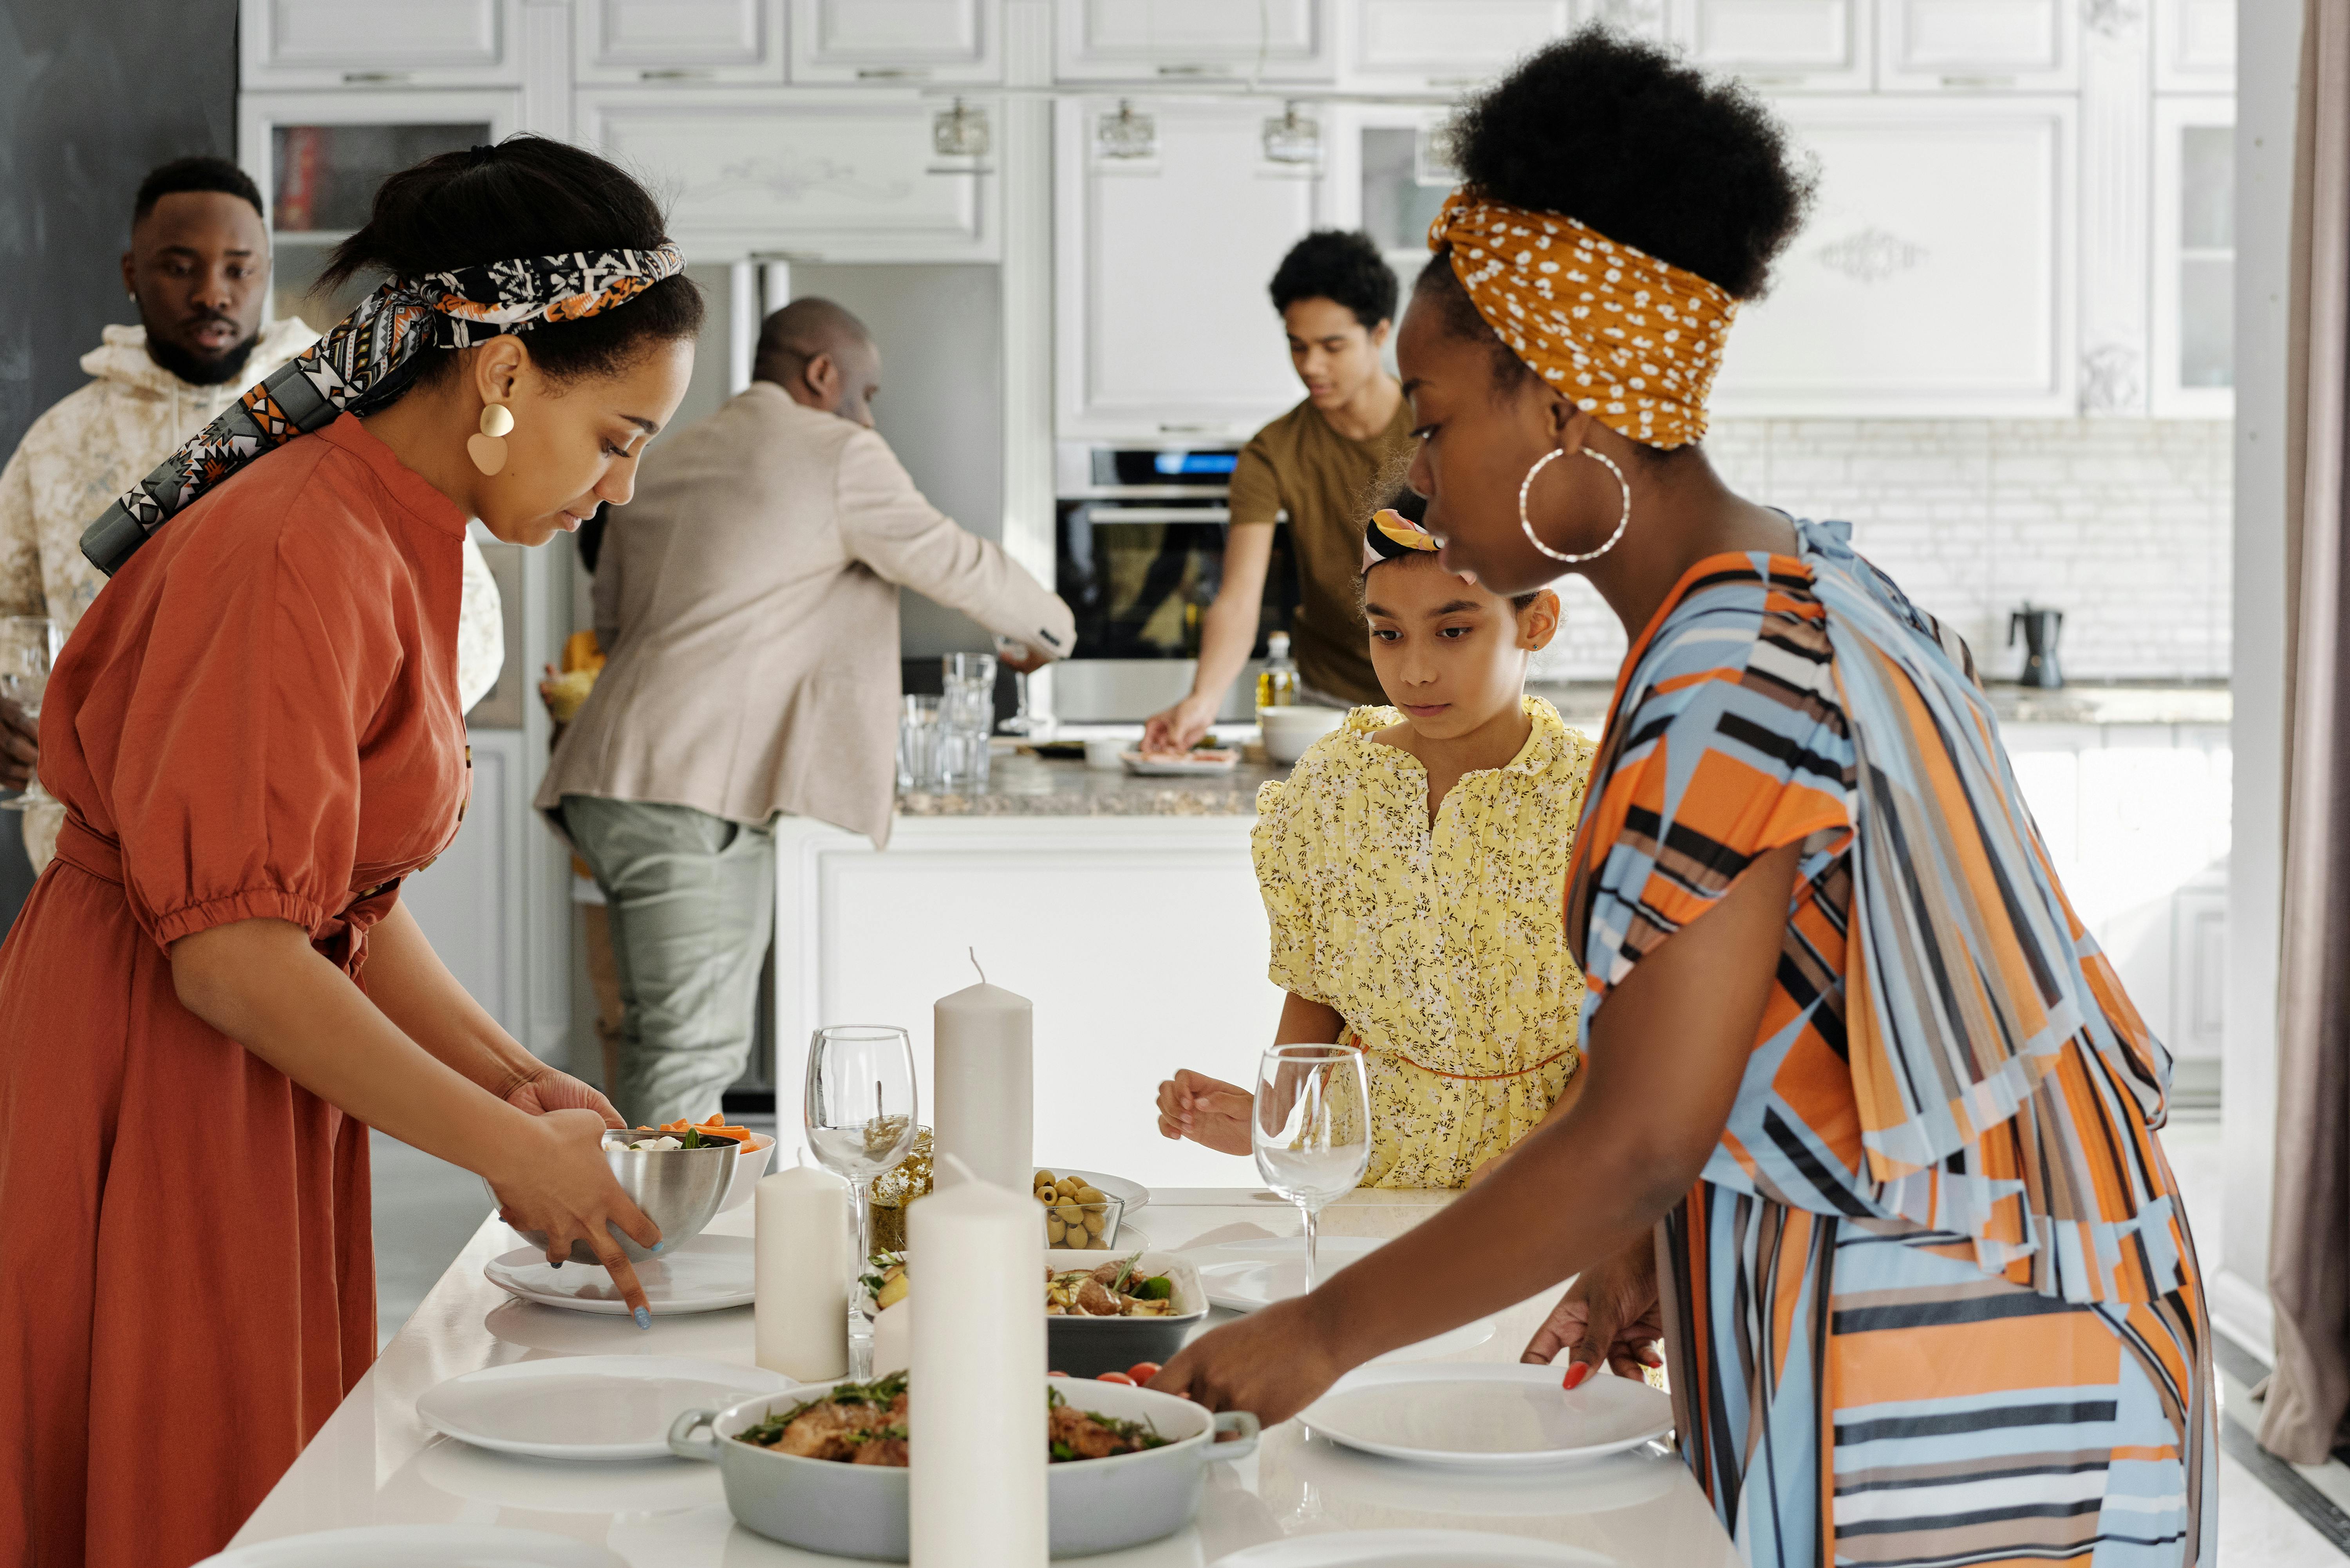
(1931, 46)
(819, 173)
(2194, 258)
(1165, 328)
(1153, 40)
(1411, 45)
(339, 43)
(1935, 278)
(1641, 18)
(619, 41)
(1100, 920)
(1387, 176)
(319, 156)
(1784, 45)
(2195, 45)
(897, 40)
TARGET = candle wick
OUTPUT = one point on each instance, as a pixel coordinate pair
(974, 963)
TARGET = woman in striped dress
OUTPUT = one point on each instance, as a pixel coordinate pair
(1868, 1139)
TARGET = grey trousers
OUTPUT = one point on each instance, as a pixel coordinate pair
(692, 907)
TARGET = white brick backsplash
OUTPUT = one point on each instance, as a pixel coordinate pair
(2124, 525)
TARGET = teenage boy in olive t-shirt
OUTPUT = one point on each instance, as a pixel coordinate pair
(1322, 463)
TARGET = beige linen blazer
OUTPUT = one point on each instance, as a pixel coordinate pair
(747, 600)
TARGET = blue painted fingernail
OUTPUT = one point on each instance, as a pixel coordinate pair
(657, 1246)
(644, 1318)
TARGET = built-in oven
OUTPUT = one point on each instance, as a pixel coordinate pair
(1140, 556)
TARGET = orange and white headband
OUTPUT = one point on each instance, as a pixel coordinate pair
(1632, 340)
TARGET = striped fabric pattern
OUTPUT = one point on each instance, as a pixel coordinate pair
(1933, 1299)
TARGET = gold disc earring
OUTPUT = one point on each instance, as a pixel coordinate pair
(488, 449)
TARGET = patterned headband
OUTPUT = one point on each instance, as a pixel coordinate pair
(366, 359)
(1391, 536)
(1632, 340)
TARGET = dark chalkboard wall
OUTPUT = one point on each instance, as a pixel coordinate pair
(93, 93)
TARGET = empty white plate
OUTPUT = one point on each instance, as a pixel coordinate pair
(702, 1274)
(419, 1546)
(587, 1407)
(1487, 1414)
(1413, 1549)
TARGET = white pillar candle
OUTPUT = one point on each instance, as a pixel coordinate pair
(803, 1268)
(975, 1389)
(983, 1083)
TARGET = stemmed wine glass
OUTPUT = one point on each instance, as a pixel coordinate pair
(860, 1113)
(1312, 1128)
(28, 645)
(1022, 721)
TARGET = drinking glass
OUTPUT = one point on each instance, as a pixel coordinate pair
(1024, 720)
(28, 646)
(1312, 1128)
(969, 680)
(859, 1114)
(919, 733)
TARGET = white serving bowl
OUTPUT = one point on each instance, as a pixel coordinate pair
(757, 1153)
(1289, 729)
(1107, 755)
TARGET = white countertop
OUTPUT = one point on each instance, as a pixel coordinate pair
(376, 1464)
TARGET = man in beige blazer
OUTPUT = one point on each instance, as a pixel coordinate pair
(747, 602)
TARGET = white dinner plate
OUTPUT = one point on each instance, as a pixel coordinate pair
(1413, 1549)
(1133, 1194)
(1487, 1414)
(1172, 768)
(587, 1407)
(419, 1546)
(702, 1274)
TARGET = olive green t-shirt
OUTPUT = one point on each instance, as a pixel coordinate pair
(1326, 484)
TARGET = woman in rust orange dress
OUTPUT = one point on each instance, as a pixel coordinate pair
(214, 991)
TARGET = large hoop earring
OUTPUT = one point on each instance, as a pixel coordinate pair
(1526, 523)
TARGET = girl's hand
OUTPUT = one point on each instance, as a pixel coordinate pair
(1177, 728)
(548, 1090)
(557, 1181)
(1611, 1311)
(1208, 1111)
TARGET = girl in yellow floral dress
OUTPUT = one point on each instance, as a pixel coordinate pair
(1412, 866)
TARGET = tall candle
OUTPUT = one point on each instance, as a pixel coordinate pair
(803, 1268)
(975, 1389)
(983, 1074)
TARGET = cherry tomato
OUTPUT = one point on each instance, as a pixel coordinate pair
(1115, 1377)
(1143, 1371)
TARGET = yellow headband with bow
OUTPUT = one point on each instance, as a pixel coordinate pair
(1634, 341)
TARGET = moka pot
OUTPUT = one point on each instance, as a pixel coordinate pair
(2040, 628)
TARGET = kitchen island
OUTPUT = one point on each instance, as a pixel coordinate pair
(375, 1462)
(1127, 907)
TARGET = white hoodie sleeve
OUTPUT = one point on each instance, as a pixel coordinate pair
(481, 631)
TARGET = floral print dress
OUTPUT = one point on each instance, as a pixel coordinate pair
(1439, 943)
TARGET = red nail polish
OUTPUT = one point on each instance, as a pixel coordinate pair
(1576, 1372)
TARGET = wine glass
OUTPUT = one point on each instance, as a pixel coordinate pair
(1312, 1128)
(28, 645)
(859, 1114)
(1024, 720)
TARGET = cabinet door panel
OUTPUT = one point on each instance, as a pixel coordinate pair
(2195, 45)
(1161, 332)
(840, 175)
(333, 43)
(1444, 42)
(469, 902)
(1934, 277)
(1144, 39)
(870, 40)
(1807, 43)
(693, 40)
(1935, 44)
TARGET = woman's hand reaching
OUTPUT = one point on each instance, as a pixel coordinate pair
(1610, 1313)
(1206, 1110)
(548, 1090)
(557, 1182)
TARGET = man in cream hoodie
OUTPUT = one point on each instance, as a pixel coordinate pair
(198, 270)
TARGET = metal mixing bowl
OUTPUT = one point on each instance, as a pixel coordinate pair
(679, 1189)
